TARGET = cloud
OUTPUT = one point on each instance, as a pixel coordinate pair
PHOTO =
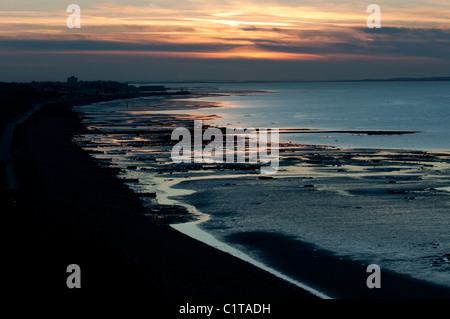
(434, 43)
(245, 30)
(104, 46)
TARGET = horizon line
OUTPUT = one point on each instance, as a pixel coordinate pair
(430, 78)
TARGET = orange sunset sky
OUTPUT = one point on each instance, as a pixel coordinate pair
(223, 40)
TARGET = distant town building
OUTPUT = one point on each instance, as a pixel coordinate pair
(72, 80)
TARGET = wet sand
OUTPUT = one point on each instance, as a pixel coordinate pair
(339, 277)
(361, 187)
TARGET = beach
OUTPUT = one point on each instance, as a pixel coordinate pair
(70, 210)
(225, 159)
(80, 202)
(348, 195)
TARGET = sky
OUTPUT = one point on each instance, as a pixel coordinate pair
(210, 40)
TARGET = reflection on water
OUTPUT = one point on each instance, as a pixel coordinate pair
(342, 211)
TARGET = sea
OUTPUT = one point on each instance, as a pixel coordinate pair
(422, 107)
(409, 106)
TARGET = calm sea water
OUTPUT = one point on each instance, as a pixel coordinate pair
(406, 238)
(389, 106)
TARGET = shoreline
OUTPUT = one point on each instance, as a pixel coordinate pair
(69, 209)
(67, 116)
(192, 229)
(371, 154)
